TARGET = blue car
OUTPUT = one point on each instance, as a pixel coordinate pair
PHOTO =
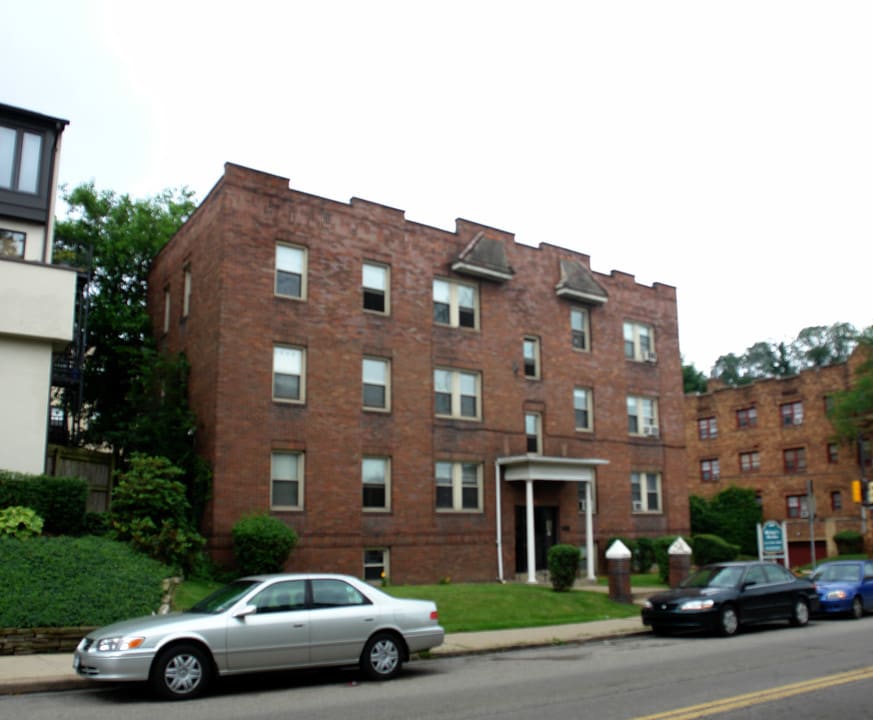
(845, 587)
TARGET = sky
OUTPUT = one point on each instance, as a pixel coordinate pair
(723, 148)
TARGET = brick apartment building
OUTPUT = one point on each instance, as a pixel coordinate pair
(774, 437)
(417, 402)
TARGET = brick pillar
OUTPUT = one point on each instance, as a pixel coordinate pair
(680, 561)
(619, 558)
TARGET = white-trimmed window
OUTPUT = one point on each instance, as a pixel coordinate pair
(186, 291)
(639, 342)
(642, 416)
(455, 303)
(580, 497)
(582, 408)
(290, 271)
(579, 330)
(458, 486)
(646, 492)
(533, 430)
(289, 373)
(710, 470)
(375, 283)
(531, 350)
(12, 243)
(377, 566)
(286, 481)
(376, 482)
(376, 379)
(457, 394)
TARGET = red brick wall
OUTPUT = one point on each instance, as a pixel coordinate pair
(236, 319)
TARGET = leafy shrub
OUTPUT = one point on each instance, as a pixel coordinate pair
(662, 556)
(563, 562)
(262, 543)
(20, 522)
(59, 501)
(712, 548)
(150, 511)
(75, 581)
(733, 514)
(644, 554)
(849, 542)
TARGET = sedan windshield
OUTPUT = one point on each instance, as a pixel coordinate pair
(837, 573)
(714, 577)
(223, 598)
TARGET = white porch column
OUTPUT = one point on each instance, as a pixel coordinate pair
(589, 532)
(531, 547)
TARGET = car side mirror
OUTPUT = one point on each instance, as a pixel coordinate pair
(245, 611)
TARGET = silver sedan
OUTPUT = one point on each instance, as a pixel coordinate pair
(263, 623)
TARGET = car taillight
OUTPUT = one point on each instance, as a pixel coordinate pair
(434, 615)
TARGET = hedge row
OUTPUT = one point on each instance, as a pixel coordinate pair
(75, 581)
(60, 501)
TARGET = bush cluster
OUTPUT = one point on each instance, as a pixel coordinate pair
(262, 543)
(849, 542)
(563, 563)
(150, 510)
(75, 581)
(59, 501)
(711, 548)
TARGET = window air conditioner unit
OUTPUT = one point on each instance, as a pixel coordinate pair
(650, 431)
(638, 506)
(651, 356)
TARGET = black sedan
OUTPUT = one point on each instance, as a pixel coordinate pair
(723, 596)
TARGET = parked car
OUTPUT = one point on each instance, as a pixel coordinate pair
(263, 623)
(724, 596)
(845, 587)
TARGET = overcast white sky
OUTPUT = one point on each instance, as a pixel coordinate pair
(724, 148)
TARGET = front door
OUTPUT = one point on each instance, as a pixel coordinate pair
(545, 535)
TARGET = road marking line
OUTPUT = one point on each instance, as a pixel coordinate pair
(761, 696)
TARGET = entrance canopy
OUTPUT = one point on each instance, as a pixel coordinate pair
(530, 468)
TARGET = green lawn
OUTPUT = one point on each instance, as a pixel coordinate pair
(491, 606)
(469, 607)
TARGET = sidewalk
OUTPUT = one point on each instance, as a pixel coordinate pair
(42, 673)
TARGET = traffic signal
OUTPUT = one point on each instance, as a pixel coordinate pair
(856, 491)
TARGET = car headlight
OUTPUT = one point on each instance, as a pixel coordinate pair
(836, 595)
(698, 604)
(118, 644)
(647, 604)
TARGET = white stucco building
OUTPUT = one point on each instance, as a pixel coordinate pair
(37, 298)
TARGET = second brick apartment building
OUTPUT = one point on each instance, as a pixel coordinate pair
(773, 436)
(415, 402)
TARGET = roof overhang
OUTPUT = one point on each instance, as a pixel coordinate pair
(556, 469)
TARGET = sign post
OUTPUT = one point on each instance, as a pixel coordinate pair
(773, 541)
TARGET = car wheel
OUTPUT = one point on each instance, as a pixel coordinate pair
(382, 657)
(800, 616)
(728, 621)
(182, 672)
(857, 608)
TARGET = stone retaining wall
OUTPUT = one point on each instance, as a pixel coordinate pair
(30, 641)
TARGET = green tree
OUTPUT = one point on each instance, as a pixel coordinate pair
(852, 411)
(816, 346)
(115, 238)
(693, 380)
